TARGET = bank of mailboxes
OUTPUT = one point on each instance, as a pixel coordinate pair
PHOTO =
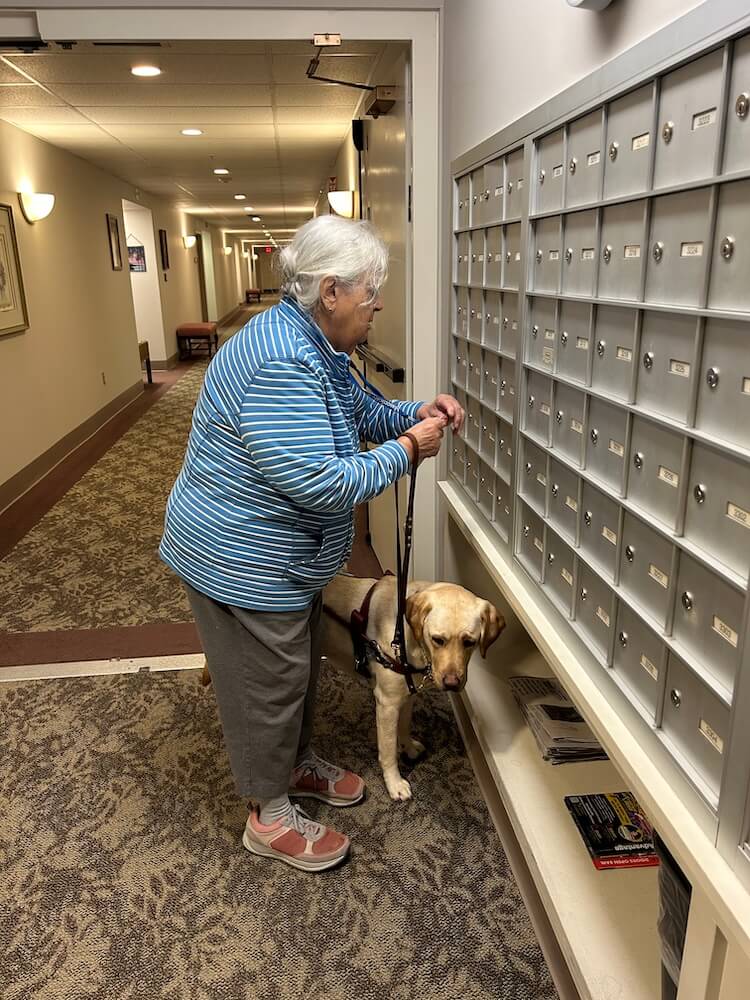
(626, 300)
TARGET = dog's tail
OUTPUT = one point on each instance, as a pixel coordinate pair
(343, 594)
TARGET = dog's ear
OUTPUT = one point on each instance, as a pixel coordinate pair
(492, 625)
(418, 606)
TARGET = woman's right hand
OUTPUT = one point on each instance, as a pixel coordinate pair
(429, 435)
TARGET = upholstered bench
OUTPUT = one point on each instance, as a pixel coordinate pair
(252, 295)
(191, 335)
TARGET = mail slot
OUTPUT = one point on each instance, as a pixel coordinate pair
(666, 364)
(599, 529)
(646, 569)
(622, 256)
(724, 382)
(512, 261)
(514, 184)
(629, 143)
(493, 262)
(574, 342)
(530, 541)
(639, 661)
(493, 318)
(718, 507)
(730, 263)
(614, 351)
(737, 139)
(678, 248)
(509, 333)
(585, 160)
(581, 250)
(550, 172)
(547, 255)
(542, 336)
(606, 443)
(559, 573)
(532, 483)
(595, 612)
(655, 470)
(696, 726)
(563, 499)
(568, 422)
(538, 406)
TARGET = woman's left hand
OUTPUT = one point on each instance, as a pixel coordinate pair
(444, 406)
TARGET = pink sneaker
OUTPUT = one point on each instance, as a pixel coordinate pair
(298, 841)
(317, 779)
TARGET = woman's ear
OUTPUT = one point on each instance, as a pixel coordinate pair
(418, 606)
(328, 293)
(492, 625)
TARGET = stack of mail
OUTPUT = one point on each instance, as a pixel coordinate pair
(561, 733)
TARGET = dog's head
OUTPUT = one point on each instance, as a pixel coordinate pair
(451, 623)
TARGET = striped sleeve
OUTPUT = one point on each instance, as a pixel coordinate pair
(286, 428)
(380, 420)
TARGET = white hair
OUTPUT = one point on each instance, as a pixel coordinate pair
(330, 246)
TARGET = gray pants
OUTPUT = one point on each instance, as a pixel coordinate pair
(264, 666)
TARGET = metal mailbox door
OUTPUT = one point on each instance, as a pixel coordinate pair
(531, 541)
(559, 573)
(458, 364)
(489, 379)
(493, 191)
(689, 121)
(533, 479)
(718, 507)
(646, 568)
(584, 160)
(568, 422)
(579, 263)
(574, 341)
(639, 660)
(547, 255)
(487, 435)
(504, 461)
(708, 620)
(594, 611)
(507, 395)
(629, 140)
(472, 474)
(503, 508)
(724, 383)
(474, 384)
(462, 217)
(613, 351)
(475, 315)
(737, 139)
(509, 333)
(540, 343)
(476, 266)
(458, 458)
(605, 443)
(493, 264)
(486, 495)
(563, 499)
(696, 724)
(654, 474)
(514, 184)
(512, 262)
(472, 424)
(622, 256)
(462, 311)
(730, 263)
(538, 406)
(492, 320)
(550, 172)
(600, 529)
(462, 259)
(678, 248)
(666, 364)
(477, 197)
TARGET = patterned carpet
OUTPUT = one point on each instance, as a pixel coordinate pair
(124, 877)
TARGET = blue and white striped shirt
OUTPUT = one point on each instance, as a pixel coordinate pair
(261, 515)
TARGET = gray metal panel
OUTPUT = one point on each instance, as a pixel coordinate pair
(504, 453)
(730, 262)
(476, 258)
(486, 494)
(585, 160)
(678, 248)
(475, 315)
(542, 336)
(547, 255)
(493, 263)
(507, 394)
(574, 341)
(550, 172)
(646, 568)
(477, 197)
(510, 332)
(538, 406)
(457, 458)
(530, 541)
(689, 119)
(595, 611)
(489, 379)
(639, 660)
(494, 184)
(737, 140)
(559, 573)
(464, 196)
(718, 508)
(696, 724)
(515, 183)
(503, 508)
(606, 443)
(654, 473)
(623, 252)
(533, 479)
(568, 422)
(581, 253)
(475, 369)
(627, 151)
(614, 351)
(512, 262)
(724, 385)
(472, 423)
(563, 500)
(708, 620)
(471, 481)
(463, 243)
(488, 435)
(666, 364)
(458, 363)
(600, 529)
(492, 320)
(462, 311)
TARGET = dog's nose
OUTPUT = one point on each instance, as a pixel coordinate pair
(451, 682)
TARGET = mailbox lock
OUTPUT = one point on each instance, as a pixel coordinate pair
(675, 697)
(742, 105)
(473, 258)
(473, 314)
(638, 460)
(555, 489)
(629, 553)
(505, 322)
(667, 132)
(486, 375)
(507, 256)
(488, 316)
(550, 557)
(648, 360)
(607, 254)
(487, 194)
(700, 493)
(658, 251)
(687, 600)
(584, 594)
(509, 189)
(572, 166)
(613, 150)
(601, 348)
(564, 337)
(727, 247)
(531, 402)
(460, 310)
(526, 531)
(534, 331)
(594, 435)
(622, 638)
(568, 255)
(588, 518)
(712, 377)
(559, 416)
(539, 256)
(542, 175)
(503, 384)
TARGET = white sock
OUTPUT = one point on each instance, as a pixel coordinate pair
(271, 810)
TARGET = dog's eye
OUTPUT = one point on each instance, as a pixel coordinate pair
(468, 643)
(438, 640)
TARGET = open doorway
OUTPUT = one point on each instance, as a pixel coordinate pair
(143, 268)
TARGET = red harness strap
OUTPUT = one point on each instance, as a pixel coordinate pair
(358, 627)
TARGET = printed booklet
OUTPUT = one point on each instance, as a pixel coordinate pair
(614, 829)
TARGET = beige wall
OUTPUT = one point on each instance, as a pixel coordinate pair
(345, 171)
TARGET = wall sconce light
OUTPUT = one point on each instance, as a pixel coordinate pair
(35, 206)
(227, 250)
(342, 202)
(188, 242)
(245, 254)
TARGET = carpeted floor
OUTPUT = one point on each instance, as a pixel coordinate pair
(124, 878)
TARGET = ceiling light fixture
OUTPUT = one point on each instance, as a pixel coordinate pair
(220, 170)
(240, 197)
(145, 70)
(342, 203)
(256, 218)
(228, 250)
(191, 131)
(35, 206)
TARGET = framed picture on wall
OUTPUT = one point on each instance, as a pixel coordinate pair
(164, 249)
(137, 257)
(13, 315)
(113, 231)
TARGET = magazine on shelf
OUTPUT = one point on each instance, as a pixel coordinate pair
(561, 733)
(614, 829)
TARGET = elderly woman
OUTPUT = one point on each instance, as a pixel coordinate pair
(260, 519)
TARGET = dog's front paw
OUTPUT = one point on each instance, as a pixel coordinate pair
(413, 749)
(398, 788)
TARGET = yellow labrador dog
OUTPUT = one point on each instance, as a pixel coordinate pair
(445, 624)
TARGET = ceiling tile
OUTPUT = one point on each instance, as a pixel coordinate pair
(188, 95)
(204, 117)
(112, 66)
(313, 94)
(293, 69)
(55, 115)
(313, 113)
(26, 96)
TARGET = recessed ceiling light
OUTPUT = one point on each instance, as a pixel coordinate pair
(256, 218)
(220, 170)
(145, 71)
(240, 197)
(191, 131)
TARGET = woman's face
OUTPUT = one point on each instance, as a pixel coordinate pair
(347, 313)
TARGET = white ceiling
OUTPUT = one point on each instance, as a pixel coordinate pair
(276, 131)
